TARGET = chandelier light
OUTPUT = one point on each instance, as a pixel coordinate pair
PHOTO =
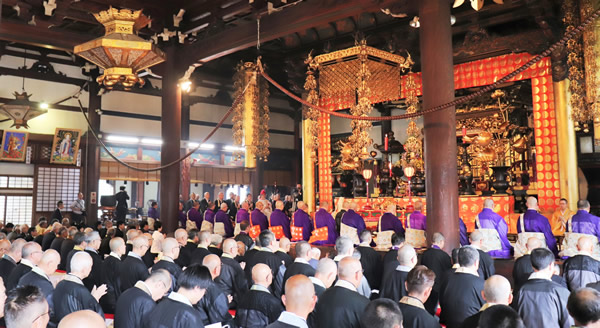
(21, 110)
(120, 52)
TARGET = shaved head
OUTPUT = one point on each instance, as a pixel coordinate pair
(84, 318)
(213, 263)
(284, 243)
(301, 205)
(585, 244)
(49, 262)
(533, 243)
(229, 246)
(326, 271)
(347, 269)
(488, 203)
(262, 275)
(170, 247)
(497, 290)
(299, 295)
(476, 236)
(532, 202)
(407, 256)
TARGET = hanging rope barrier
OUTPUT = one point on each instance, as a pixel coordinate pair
(569, 35)
(152, 169)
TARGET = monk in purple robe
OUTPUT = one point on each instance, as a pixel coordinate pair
(535, 222)
(194, 214)
(491, 220)
(209, 215)
(389, 221)
(278, 218)
(583, 221)
(353, 219)
(417, 219)
(464, 238)
(242, 214)
(302, 219)
(324, 219)
(257, 217)
(223, 217)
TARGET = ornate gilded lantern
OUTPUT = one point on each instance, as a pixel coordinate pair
(120, 52)
(21, 110)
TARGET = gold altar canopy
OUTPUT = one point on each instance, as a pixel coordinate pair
(340, 75)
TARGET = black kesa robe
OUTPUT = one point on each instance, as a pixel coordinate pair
(65, 248)
(390, 261)
(214, 306)
(486, 265)
(32, 278)
(111, 271)
(70, 296)
(57, 243)
(392, 286)
(185, 254)
(339, 307)
(198, 255)
(232, 280)
(372, 265)
(439, 262)
(15, 275)
(416, 317)
(543, 303)
(284, 257)
(173, 269)
(265, 257)
(297, 268)
(173, 314)
(132, 270)
(133, 308)
(6, 266)
(460, 297)
(257, 308)
(95, 277)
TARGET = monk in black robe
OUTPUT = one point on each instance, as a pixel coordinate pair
(325, 275)
(93, 241)
(60, 237)
(202, 250)
(80, 244)
(188, 242)
(136, 303)
(39, 276)
(11, 258)
(299, 301)
(71, 295)
(133, 268)
(540, 292)
(66, 247)
(486, 264)
(582, 269)
(300, 265)
(177, 310)
(111, 275)
(265, 255)
(439, 262)
(370, 260)
(214, 306)
(460, 294)
(390, 259)
(496, 291)
(342, 305)
(170, 251)
(30, 257)
(258, 307)
(419, 284)
(243, 235)
(393, 286)
(282, 252)
(50, 236)
(232, 280)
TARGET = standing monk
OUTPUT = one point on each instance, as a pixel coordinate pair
(241, 215)
(495, 228)
(194, 215)
(302, 220)
(583, 221)
(257, 217)
(324, 219)
(223, 217)
(122, 199)
(560, 217)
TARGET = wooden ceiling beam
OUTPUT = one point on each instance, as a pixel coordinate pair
(40, 37)
(293, 19)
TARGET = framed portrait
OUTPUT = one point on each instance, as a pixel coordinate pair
(65, 146)
(14, 146)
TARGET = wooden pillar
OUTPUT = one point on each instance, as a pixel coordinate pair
(92, 167)
(440, 127)
(185, 135)
(171, 137)
(567, 146)
(297, 161)
(257, 179)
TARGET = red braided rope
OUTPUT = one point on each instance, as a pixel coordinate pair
(569, 35)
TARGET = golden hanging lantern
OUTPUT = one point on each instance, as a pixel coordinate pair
(120, 52)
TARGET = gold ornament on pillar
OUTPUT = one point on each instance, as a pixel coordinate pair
(591, 53)
(120, 52)
(251, 116)
(581, 114)
(311, 115)
(413, 156)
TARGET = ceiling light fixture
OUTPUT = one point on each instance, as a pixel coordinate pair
(149, 141)
(122, 139)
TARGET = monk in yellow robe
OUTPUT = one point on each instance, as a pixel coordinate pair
(560, 218)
